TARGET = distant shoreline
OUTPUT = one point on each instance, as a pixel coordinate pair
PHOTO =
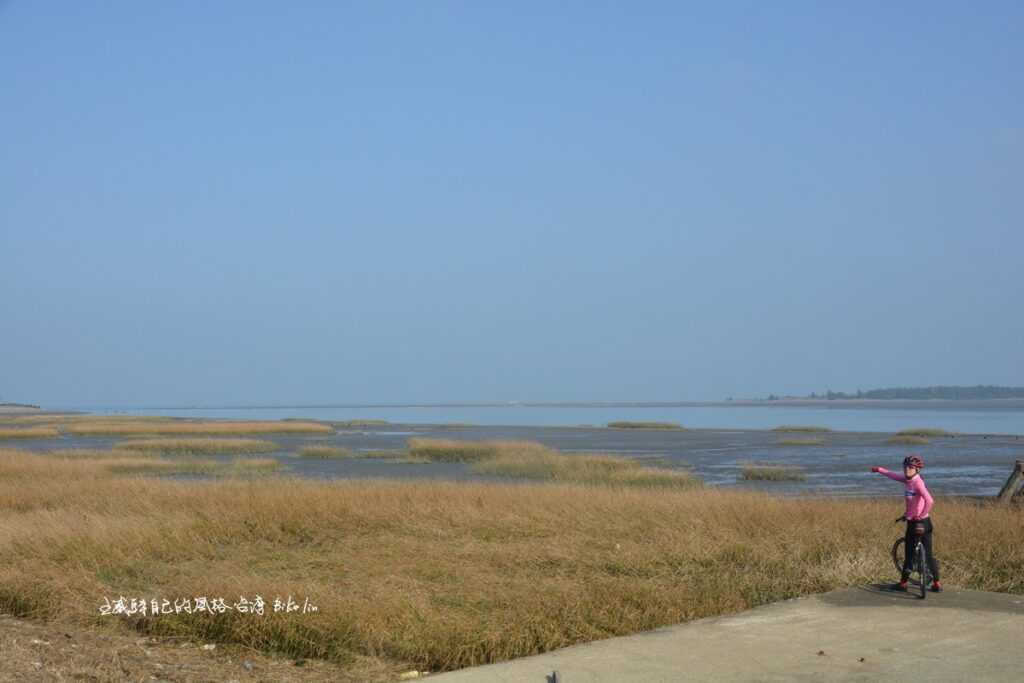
(994, 404)
(18, 408)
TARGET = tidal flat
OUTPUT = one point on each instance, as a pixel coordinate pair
(834, 463)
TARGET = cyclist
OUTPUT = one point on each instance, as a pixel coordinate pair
(919, 504)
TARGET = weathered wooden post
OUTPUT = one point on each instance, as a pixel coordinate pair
(1014, 484)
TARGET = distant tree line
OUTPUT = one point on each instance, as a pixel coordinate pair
(924, 393)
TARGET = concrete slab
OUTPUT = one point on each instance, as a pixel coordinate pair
(862, 634)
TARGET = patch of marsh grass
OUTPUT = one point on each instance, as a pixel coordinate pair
(356, 424)
(907, 439)
(766, 472)
(628, 424)
(582, 468)
(924, 431)
(105, 426)
(29, 433)
(393, 456)
(454, 450)
(329, 451)
(800, 428)
(248, 466)
(85, 453)
(161, 466)
(532, 460)
(322, 450)
(199, 446)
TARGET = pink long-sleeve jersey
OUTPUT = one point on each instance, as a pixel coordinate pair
(919, 501)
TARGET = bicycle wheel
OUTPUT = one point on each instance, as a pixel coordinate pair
(922, 568)
(898, 555)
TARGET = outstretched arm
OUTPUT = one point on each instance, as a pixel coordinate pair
(891, 475)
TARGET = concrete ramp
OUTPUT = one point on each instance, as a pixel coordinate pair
(863, 634)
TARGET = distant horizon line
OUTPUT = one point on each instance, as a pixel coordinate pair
(532, 404)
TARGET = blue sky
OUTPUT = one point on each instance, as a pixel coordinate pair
(328, 202)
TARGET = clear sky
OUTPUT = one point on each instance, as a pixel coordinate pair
(253, 202)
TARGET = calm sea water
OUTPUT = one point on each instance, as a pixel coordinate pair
(714, 417)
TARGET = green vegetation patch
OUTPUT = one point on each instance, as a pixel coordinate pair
(924, 431)
(596, 468)
(199, 446)
(767, 472)
(323, 450)
(452, 450)
(627, 424)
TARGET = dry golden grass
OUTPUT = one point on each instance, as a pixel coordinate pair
(105, 426)
(755, 472)
(924, 431)
(329, 451)
(117, 425)
(441, 575)
(581, 468)
(800, 428)
(199, 446)
(532, 460)
(907, 439)
(356, 424)
(801, 442)
(83, 453)
(454, 450)
(627, 424)
(131, 462)
(161, 466)
(394, 456)
(29, 433)
(323, 450)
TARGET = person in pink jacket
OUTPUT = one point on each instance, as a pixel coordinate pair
(919, 505)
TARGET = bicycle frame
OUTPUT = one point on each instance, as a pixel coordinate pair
(921, 559)
(918, 558)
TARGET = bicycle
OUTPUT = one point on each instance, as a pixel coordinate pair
(918, 558)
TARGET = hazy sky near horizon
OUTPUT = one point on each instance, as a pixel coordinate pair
(256, 202)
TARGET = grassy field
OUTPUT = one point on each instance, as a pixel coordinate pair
(437, 575)
(198, 446)
(625, 424)
(29, 433)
